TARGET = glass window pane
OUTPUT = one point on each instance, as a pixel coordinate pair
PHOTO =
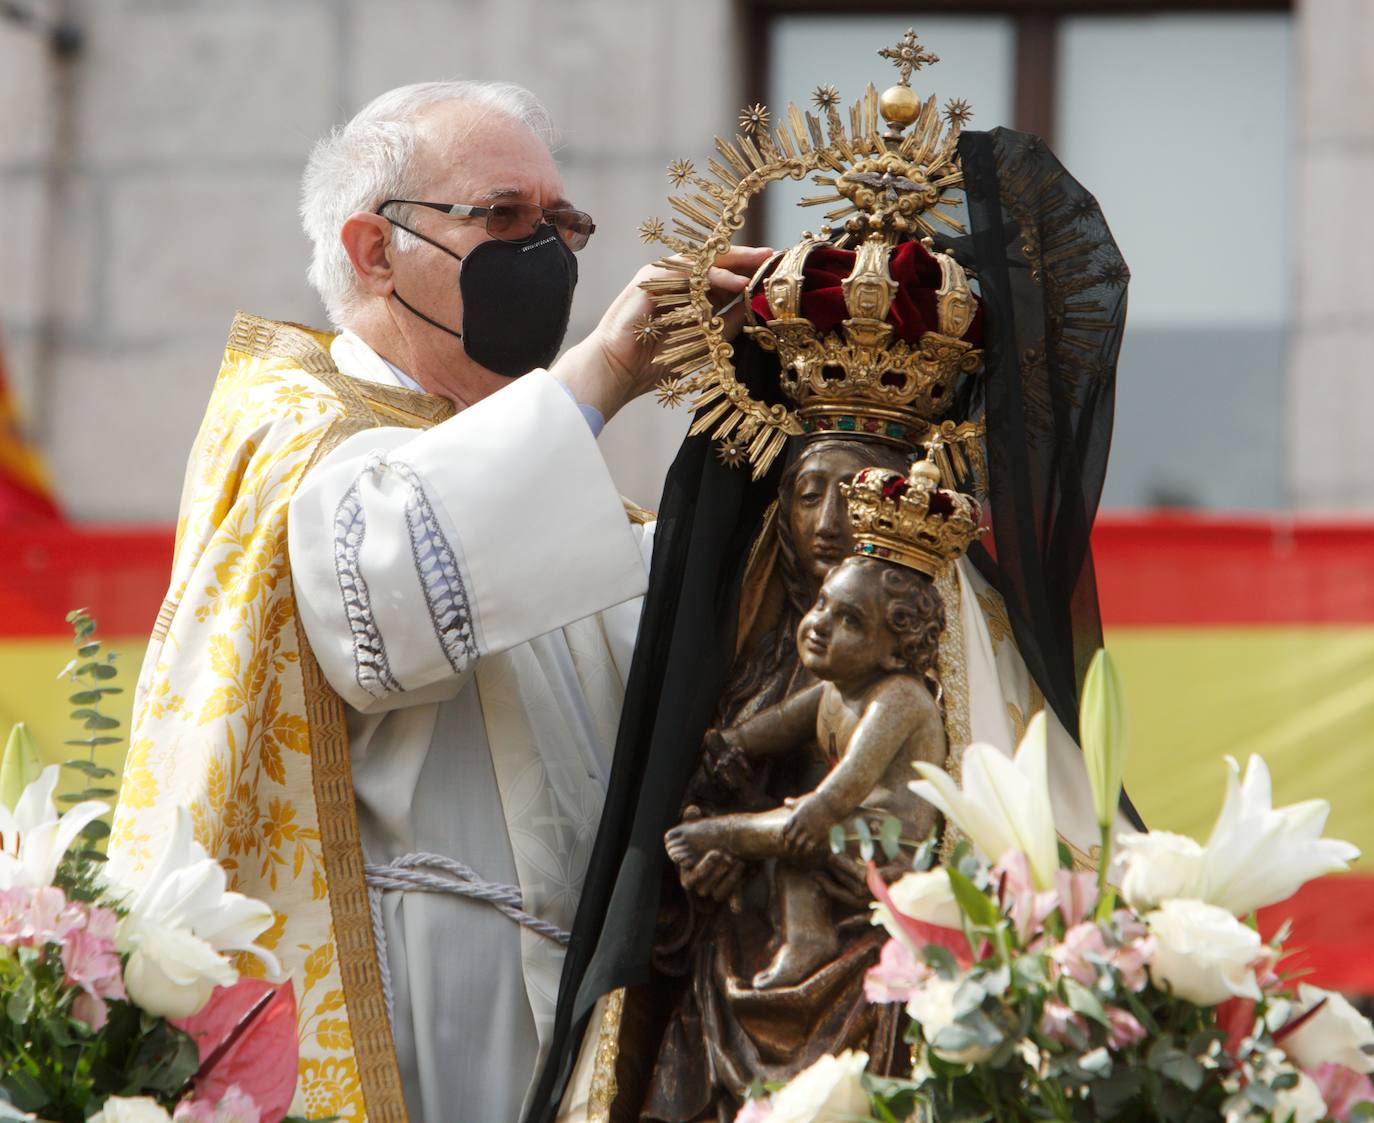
(1180, 124)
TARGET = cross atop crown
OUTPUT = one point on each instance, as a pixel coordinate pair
(908, 55)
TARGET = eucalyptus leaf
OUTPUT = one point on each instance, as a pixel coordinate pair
(85, 651)
(1097, 1062)
(890, 837)
(1361, 1113)
(94, 771)
(1082, 1001)
(837, 839)
(940, 960)
(95, 830)
(1029, 971)
(95, 742)
(865, 839)
(997, 981)
(968, 997)
(1260, 1094)
(1174, 1064)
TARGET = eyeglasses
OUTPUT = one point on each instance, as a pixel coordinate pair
(514, 222)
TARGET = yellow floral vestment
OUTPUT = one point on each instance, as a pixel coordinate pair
(233, 719)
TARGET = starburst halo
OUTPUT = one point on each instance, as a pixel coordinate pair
(651, 230)
(825, 97)
(754, 118)
(647, 330)
(680, 171)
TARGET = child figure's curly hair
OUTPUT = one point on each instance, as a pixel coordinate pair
(914, 612)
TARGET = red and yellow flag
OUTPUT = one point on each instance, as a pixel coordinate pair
(25, 492)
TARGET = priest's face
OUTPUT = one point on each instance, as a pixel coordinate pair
(472, 155)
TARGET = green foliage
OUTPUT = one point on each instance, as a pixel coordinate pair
(91, 673)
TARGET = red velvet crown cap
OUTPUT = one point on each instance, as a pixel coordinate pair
(912, 314)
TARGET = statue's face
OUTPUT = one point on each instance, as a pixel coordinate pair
(845, 637)
(817, 517)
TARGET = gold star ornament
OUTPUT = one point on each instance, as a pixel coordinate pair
(754, 118)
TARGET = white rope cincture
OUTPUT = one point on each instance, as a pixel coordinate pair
(411, 872)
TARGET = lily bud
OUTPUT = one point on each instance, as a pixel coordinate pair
(1102, 729)
(19, 766)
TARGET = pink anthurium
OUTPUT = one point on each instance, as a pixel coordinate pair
(246, 1035)
(917, 932)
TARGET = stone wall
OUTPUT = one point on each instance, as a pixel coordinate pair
(150, 187)
(1331, 375)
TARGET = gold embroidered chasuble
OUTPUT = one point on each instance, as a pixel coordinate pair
(234, 719)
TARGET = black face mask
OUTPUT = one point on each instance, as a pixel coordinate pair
(517, 297)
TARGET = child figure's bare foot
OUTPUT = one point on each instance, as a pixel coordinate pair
(800, 954)
(691, 839)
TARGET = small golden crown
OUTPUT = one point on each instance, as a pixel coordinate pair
(859, 379)
(891, 166)
(910, 519)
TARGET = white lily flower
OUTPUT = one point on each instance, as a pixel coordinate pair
(1258, 853)
(34, 836)
(1004, 804)
(180, 919)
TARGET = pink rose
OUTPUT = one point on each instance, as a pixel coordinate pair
(897, 975)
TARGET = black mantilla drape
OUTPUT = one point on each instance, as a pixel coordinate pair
(1055, 288)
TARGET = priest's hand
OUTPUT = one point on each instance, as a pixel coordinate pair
(611, 367)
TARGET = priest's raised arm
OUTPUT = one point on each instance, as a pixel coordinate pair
(416, 554)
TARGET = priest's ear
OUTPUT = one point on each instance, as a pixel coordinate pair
(367, 241)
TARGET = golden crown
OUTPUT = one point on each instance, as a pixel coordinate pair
(891, 168)
(910, 519)
(860, 379)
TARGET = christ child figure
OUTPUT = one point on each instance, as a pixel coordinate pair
(872, 639)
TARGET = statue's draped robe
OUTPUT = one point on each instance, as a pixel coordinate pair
(389, 631)
(723, 1034)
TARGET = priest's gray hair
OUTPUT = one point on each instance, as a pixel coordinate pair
(371, 159)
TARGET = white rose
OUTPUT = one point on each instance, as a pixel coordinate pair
(172, 973)
(830, 1091)
(1301, 1103)
(139, 1109)
(1160, 866)
(926, 897)
(933, 1007)
(1203, 952)
(1336, 1033)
